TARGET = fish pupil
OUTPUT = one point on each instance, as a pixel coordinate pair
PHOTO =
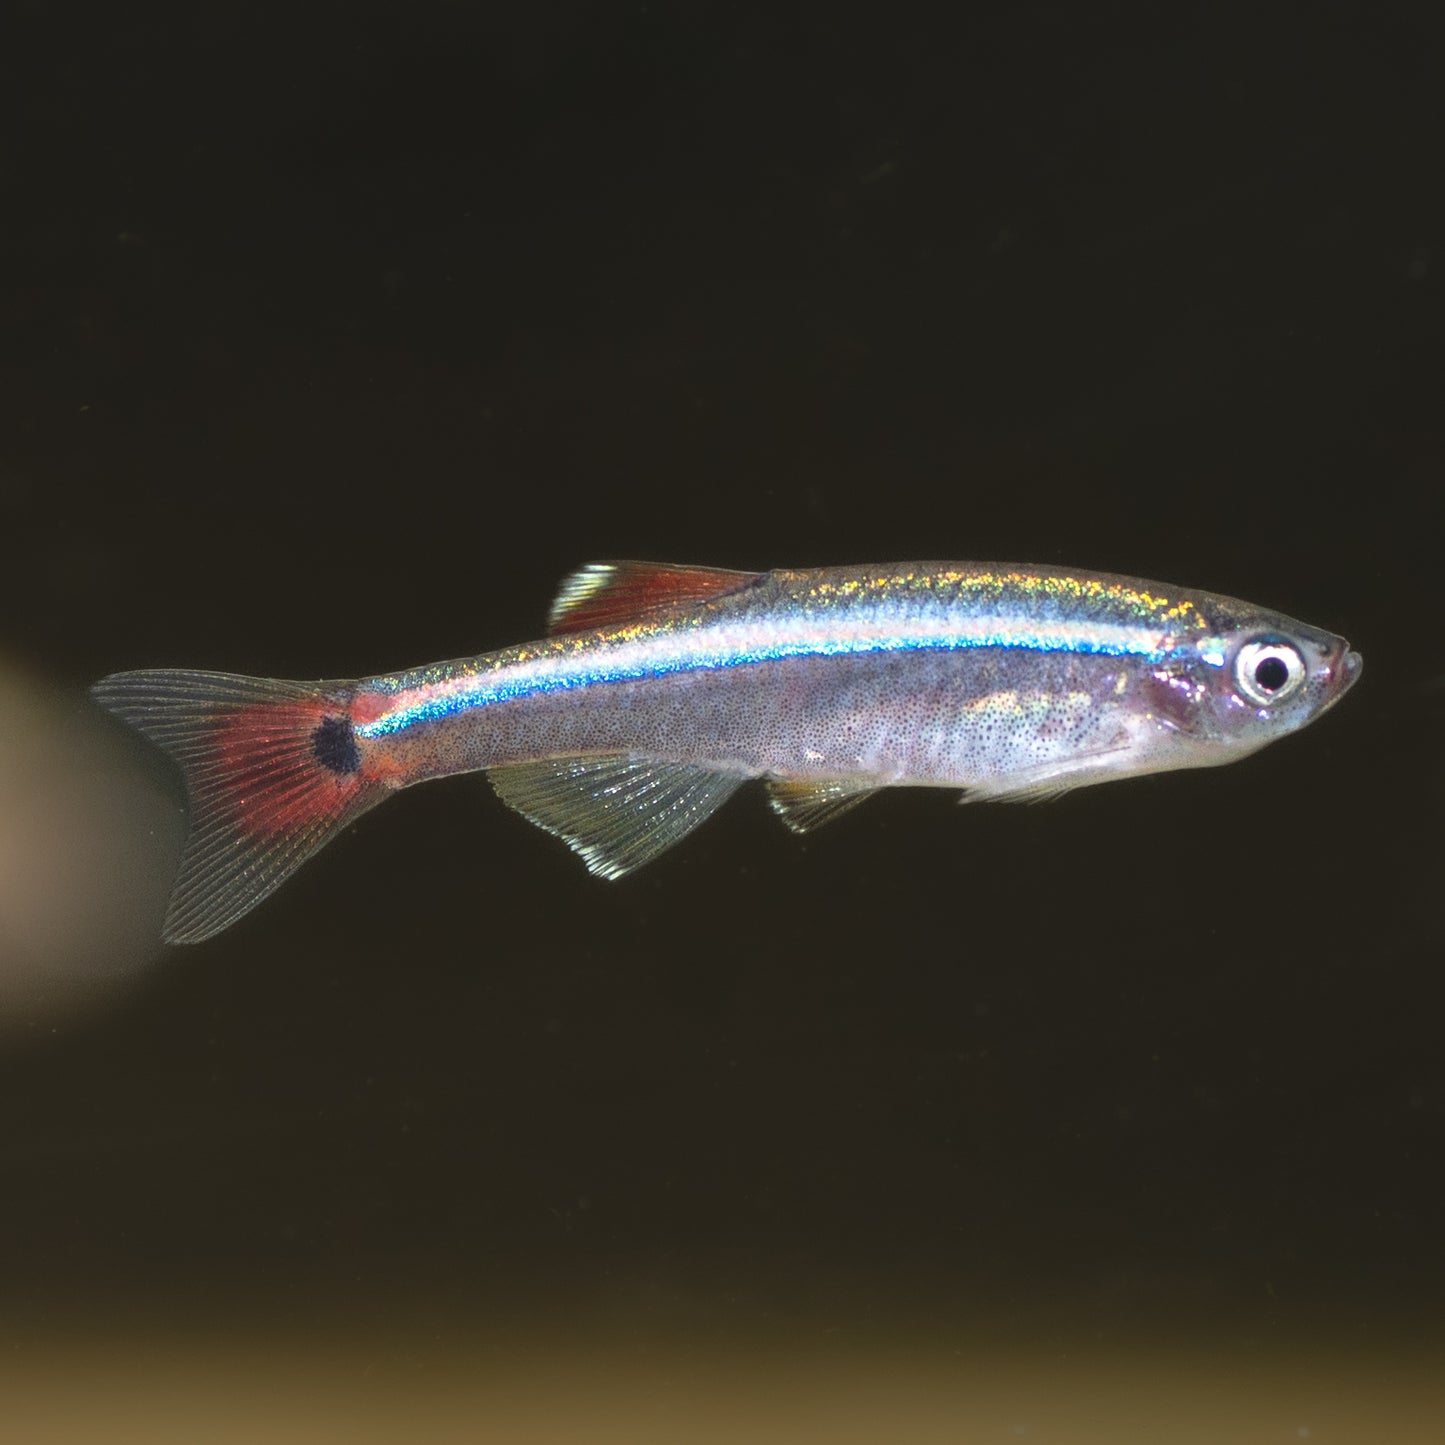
(1271, 674)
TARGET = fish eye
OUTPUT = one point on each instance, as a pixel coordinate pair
(1267, 672)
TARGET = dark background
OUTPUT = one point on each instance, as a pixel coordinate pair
(331, 336)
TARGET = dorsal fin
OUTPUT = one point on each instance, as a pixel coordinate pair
(609, 594)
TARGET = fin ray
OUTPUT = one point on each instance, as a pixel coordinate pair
(266, 784)
(807, 803)
(610, 594)
(616, 811)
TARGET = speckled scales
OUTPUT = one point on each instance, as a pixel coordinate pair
(925, 674)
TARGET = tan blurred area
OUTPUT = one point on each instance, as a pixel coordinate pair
(89, 836)
(445, 1389)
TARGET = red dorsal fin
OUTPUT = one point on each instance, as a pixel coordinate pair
(611, 594)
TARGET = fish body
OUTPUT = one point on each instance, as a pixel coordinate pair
(659, 690)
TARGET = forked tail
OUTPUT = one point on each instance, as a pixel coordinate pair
(272, 771)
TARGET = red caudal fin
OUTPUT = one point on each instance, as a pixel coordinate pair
(272, 771)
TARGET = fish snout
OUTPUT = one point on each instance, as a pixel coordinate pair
(1342, 670)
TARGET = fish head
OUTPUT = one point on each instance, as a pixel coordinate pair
(1250, 677)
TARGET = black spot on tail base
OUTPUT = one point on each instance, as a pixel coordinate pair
(335, 746)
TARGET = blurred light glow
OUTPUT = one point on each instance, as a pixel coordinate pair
(89, 837)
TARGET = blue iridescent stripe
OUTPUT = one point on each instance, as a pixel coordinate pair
(511, 683)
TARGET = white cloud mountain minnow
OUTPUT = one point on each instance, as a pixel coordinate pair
(660, 689)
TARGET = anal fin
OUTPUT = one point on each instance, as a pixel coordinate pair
(807, 803)
(616, 811)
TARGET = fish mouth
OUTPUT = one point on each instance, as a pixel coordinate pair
(1342, 675)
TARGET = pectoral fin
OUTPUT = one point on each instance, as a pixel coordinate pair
(1048, 781)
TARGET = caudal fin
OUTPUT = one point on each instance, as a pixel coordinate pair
(272, 770)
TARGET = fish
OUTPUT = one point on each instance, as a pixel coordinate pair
(659, 690)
